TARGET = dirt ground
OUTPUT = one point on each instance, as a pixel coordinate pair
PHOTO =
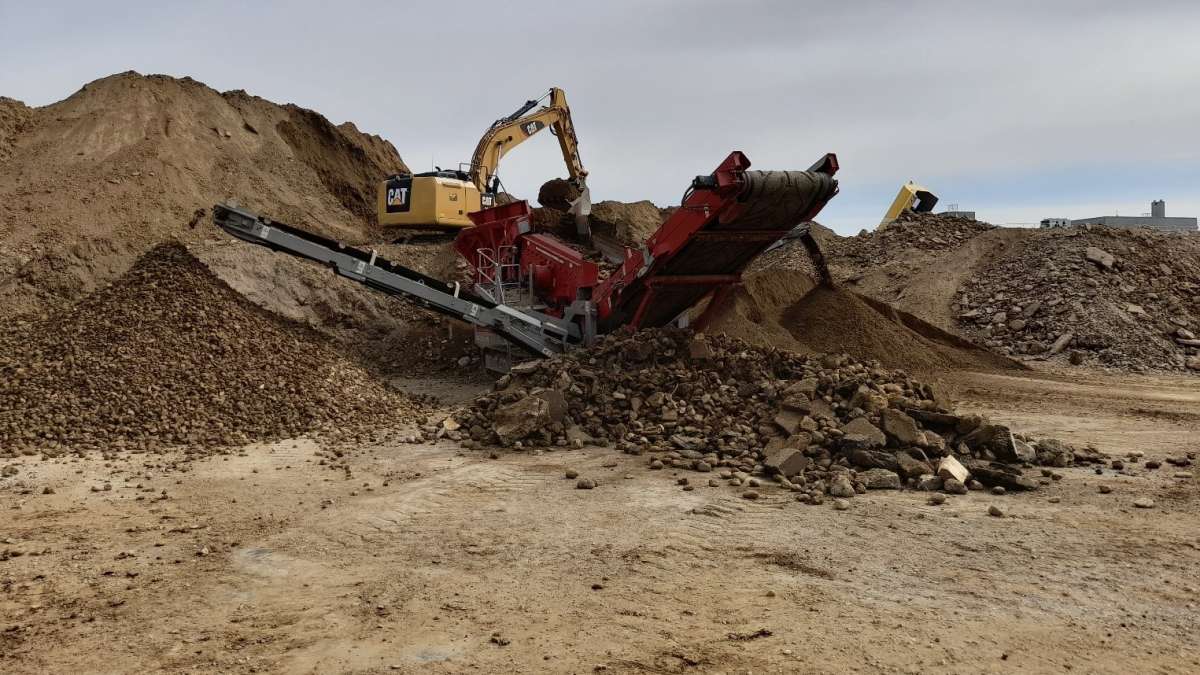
(429, 558)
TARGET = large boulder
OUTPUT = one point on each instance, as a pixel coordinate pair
(861, 433)
(900, 427)
(521, 418)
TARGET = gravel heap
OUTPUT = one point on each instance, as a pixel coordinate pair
(168, 355)
(1121, 298)
(919, 231)
(824, 424)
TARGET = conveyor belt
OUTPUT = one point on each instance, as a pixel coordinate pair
(540, 333)
(711, 239)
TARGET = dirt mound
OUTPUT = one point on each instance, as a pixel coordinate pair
(14, 115)
(630, 223)
(837, 320)
(784, 308)
(1123, 298)
(169, 355)
(827, 424)
(130, 161)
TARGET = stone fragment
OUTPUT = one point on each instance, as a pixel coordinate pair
(880, 479)
(954, 486)
(1144, 503)
(1103, 259)
(899, 426)
(517, 420)
(950, 467)
(862, 428)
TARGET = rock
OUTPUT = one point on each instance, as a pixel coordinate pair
(571, 474)
(840, 486)
(789, 421)
(861, 428)
(930, 483)
(1061, 343)
(1005, 476)
(1103, 259)
(750, 494)
(841, 504)
(875, 459)
(1184, 334)
(1051, 452)
(1105, 489)
(950, 467)
(585, 484)
(1193, 363)
(787, 461)
(899, 426)
(999, 490)
(1023, 451)
(880, 479)
(1144, 503)
(698, 348)
(954, 486)
(909, 466)
(995, 511)
(937, 499)
(518, 420)
(556, 401)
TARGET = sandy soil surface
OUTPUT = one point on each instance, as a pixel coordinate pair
(429, 558)
(432, 558)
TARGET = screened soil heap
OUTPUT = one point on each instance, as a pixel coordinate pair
(169, 355)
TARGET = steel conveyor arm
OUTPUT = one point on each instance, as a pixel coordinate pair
(540, 333)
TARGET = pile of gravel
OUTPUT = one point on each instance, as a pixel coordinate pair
(168, 355)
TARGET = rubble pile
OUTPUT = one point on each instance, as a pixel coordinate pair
(914, 231)
(1121, 298)
(169, 355)
(826, 424)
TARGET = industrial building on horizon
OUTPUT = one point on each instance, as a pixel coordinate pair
(1157, 220)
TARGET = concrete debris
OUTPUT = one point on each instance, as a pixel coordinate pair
(751, 411)
(1101, 296)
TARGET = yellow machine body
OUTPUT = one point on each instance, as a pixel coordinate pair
(427, 201)
(912, 197)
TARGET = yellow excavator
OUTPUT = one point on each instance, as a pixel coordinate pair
(441, 199)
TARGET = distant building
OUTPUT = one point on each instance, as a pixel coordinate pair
(1056, 222)
(955, 212)
(1157, 220)
(969, 215)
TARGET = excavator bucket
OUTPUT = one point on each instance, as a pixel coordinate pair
(581, 209)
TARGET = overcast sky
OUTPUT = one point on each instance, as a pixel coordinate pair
(1017, 110)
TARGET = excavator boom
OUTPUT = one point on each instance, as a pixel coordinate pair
(507, 133)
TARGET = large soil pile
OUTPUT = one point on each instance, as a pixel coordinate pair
(1123, 298)
(169, 355)
(130, 161)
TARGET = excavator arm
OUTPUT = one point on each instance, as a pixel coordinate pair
(507, 133)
